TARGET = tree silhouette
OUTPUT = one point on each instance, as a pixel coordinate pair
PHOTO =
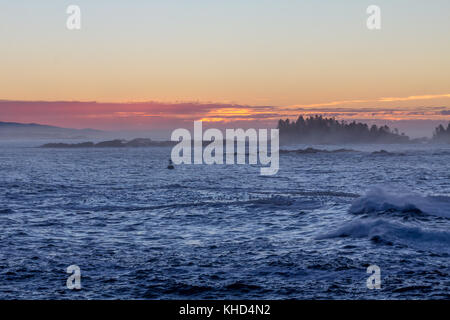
(441, 134)
(317, 129)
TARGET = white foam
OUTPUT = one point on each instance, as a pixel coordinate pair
(380, 199)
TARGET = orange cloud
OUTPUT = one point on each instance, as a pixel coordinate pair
(413, 98)
(386, 99)
(156, 115)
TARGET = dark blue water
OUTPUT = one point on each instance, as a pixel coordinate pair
(140, 231)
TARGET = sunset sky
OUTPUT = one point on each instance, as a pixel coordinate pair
(158, 64)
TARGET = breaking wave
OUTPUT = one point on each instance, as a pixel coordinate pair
(381, 199)
(386, 232)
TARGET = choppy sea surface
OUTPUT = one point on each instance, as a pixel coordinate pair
(140, 231)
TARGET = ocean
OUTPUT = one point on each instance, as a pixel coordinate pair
(139, 231)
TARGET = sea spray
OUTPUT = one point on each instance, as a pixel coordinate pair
(382, 199)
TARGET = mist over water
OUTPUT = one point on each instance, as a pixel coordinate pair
(140, 231)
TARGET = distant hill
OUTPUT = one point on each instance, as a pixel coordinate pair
(14, 130)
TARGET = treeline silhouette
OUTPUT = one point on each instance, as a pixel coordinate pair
(317, 129)
(441, 134)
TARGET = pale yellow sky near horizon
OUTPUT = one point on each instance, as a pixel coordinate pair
(285, 53)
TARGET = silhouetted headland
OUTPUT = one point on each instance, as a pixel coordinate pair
(14, 130)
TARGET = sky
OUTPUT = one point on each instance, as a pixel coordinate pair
(163, 63)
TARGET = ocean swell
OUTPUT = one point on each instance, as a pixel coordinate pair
(383, 231)
(381, 199)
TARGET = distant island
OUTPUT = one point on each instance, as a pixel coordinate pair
(320, 130)
(117, 143)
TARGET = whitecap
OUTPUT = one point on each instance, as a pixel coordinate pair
(380, 199)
